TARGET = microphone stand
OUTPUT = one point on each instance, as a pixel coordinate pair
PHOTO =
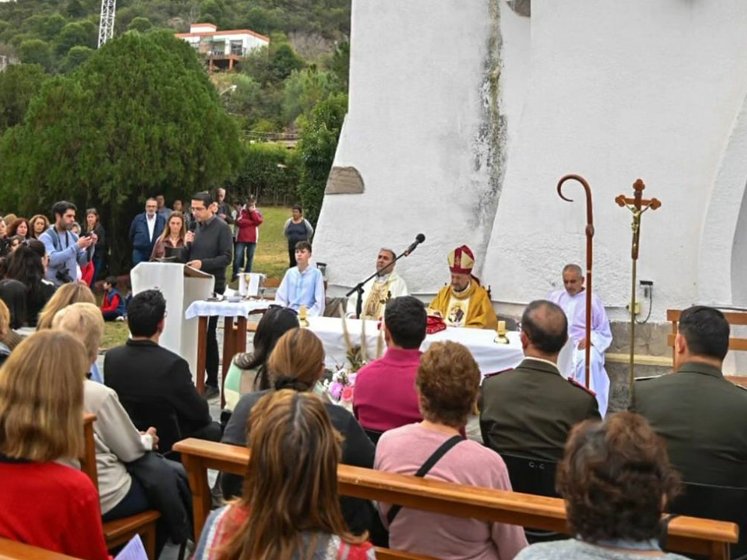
(359, 286)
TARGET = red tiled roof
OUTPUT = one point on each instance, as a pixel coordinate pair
(224, 32)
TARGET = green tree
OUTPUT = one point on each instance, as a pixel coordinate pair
(83, 33)
(269, 171)
(18, 84)
(139, 117)
(317, 151)
(304, 89)
(36, 51)
(76, 56)
(141, 24)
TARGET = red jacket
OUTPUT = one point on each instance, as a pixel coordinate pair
(248, 222)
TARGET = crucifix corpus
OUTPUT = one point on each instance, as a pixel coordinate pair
(589, 237)
(637, 205)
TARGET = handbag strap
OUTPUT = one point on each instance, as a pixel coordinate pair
(435, 457)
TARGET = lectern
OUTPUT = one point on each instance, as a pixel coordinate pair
(180, 285)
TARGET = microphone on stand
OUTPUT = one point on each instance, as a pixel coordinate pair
(419, 238)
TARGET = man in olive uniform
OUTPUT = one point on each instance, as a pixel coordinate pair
(529, 411)
(701, 415)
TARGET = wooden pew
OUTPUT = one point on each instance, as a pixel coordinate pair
(687, 535)
(13, 550)
(119, 531)
(737, 344)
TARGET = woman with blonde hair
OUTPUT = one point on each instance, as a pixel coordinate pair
(297, 363)
(67, 294)
(45, 503)
(116, 439)
(171, 238)
(290, 506)
(38, 224)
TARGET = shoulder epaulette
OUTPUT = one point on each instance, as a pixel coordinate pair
(487, 375)
(647, 377)
(580, 386)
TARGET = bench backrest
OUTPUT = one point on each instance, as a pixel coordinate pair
(14, 550)
(686, 534)
(737, 344)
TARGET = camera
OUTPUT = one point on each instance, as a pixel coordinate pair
(63, 276)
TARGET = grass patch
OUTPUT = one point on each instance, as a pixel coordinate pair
(115, 334)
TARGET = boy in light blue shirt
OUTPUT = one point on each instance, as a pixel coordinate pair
(303, 284)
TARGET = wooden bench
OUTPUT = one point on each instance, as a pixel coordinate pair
(118, 531)
(687, 535)
(14, 550)
(737, 344)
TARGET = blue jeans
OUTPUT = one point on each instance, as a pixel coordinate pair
(238, 260)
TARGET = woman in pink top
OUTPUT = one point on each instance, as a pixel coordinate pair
(448, 381)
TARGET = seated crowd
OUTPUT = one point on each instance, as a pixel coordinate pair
(410, 416)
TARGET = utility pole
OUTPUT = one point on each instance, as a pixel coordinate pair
(106, 22)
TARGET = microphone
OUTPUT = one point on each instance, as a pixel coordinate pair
(419, 238)
(192, 227)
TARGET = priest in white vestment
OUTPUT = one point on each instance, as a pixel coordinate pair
(378, 290)
(573, 301)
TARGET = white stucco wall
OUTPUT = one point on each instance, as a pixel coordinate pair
(607, 89)
(412, 131)
(619, 90)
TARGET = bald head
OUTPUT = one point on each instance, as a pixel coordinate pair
(545, 327)
(573, 279)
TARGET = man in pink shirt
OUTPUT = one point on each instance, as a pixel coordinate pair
(384, 396)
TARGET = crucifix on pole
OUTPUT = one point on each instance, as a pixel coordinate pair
(589, 237)
(637, 205)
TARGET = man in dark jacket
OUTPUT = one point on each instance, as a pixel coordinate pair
(700, 415)
(529, 411)
(149, 378)
(144, 231)
(209, 249)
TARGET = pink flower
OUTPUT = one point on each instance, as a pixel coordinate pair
(347, 394)
(335, 389)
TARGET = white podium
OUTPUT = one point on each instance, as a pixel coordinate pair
(180, 285)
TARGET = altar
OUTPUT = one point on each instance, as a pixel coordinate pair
(491, 356)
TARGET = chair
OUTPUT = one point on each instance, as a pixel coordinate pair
(723, 503)
(118, 531)
(160, 415)
(533, 476)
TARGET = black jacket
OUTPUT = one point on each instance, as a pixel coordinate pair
(213, 245)
(144, 373)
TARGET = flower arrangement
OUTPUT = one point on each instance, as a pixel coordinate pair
(341, 386)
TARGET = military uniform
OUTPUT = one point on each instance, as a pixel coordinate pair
(530, 410)
(703, 418)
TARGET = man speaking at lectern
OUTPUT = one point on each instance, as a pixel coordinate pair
(208, 249)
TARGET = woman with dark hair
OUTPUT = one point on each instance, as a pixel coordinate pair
(20, 227)
(290, 507)
(616, 479)
(248, 371)
(447, 384)
(93, 225)
(297, 363)
(296, 228)
(27, 264)
(38, 224)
